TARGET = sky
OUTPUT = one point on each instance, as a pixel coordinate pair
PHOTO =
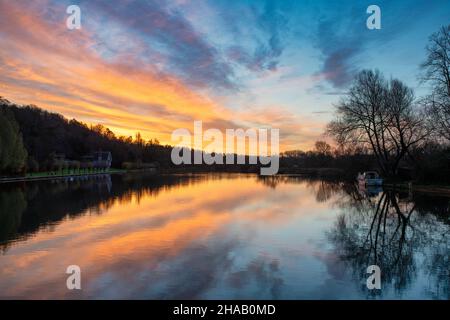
(153, 66)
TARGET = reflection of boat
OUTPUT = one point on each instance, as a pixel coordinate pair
(369, 191)
(369, 178)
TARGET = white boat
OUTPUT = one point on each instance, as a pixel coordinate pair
(369, 178)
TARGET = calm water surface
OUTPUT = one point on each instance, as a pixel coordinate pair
(220, 237)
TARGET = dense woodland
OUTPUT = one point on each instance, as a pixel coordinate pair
(34, 136)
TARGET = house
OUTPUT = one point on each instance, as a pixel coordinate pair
(102, 159)
(99, 160)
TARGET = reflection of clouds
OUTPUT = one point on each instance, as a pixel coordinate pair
(185, 275)
(188, 275)
(192, 273)
(336, 284)
(261, 274)
(183, 242)
(227, 237)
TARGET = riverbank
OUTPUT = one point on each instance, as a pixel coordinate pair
(330, 173)
(422, 188)
(59, 175)
(310, 172)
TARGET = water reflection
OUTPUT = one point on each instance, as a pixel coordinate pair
(401, 235)
(219, 236)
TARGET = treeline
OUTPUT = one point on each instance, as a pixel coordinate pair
(341, 162)
(12, 151)
(31, 139)
(34, 140)
(428, 164)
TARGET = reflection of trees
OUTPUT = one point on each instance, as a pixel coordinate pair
(12, 205)
(440, 257)
(389, 232)
(40, 205)
(323, 189)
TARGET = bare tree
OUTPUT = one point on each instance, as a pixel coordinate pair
(436, 71)
(379, 114)
(322, 148)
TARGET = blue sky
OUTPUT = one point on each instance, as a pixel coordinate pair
(279, 64)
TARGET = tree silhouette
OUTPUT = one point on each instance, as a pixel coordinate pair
(380, 115)
(13, 155)
(436, 71)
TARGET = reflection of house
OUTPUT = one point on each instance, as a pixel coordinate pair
(99, 159)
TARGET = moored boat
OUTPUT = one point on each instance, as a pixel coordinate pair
(369, 178)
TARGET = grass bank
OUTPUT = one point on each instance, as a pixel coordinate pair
(60, 174)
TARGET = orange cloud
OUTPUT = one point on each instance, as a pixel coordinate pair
(60, 70)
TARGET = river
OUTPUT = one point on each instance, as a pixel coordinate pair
(220, 236)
